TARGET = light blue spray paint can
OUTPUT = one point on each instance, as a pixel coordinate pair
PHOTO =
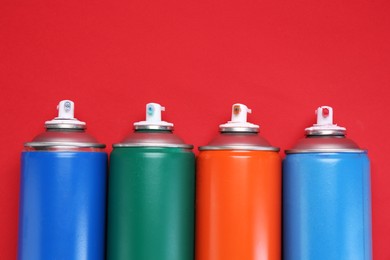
(326, 196)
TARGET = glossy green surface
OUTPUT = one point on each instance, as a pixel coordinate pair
(151, 204)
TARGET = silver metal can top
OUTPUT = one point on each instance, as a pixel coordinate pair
(325, 137)
(238, 134)
(153, 132)
(325, 144)
(239, 141)
(153, 138)
(64, 133)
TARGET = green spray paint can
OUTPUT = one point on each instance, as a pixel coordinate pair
(151, 194)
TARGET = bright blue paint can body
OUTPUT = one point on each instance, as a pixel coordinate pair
(63, 193)
(62, 205)
(326, 196)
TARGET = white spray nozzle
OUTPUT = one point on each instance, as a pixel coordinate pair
(239, 120)
(66, 109)
(65, 117)
(324, 115)
(324, 125)
(153, 118)
(239, 113)
(153, 112)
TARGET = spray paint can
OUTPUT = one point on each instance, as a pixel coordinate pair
(63, 192)
(326, 195)
(238, 194)
(151, 193)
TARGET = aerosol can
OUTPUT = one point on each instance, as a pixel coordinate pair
(63, 192)
(151, 193)
(238, 194)
(326, 195)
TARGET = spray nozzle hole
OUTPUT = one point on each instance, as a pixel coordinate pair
(236, 110)
(67, 106)
(150, 110)
(325, 112)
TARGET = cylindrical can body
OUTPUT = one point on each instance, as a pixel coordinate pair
(326, 206)
(151, 204)
(238, 200)
(62, 205)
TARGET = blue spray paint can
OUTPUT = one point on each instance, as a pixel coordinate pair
(326, 196)
(63, 192)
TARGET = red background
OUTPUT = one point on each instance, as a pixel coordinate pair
(281, 58)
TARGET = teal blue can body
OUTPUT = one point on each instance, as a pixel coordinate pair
(327, 206)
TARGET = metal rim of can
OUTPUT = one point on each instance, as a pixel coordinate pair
(64, 144)
(239, 147)
(238, 130)
(151, 145)
(153, 127)
(64, 126)
(325, 132)
(292, 151)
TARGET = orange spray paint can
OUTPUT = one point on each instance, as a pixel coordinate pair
(238, 194)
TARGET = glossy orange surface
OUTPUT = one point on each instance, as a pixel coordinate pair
(238, 204)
